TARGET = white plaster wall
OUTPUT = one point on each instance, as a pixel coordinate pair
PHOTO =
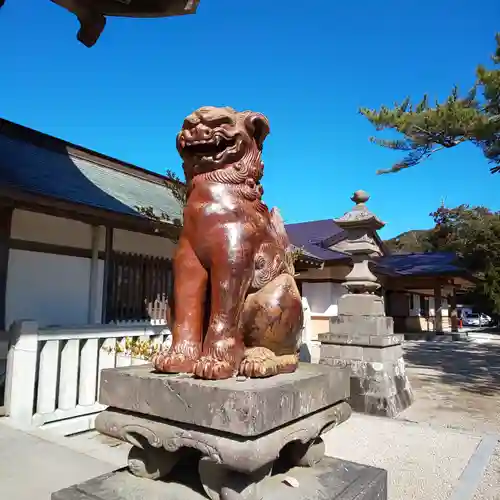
(54, 289)
(432, 307)
(32, 226)
(415, 311)
(145, 244)
(323, 297)
(444, 306)
(51, 289)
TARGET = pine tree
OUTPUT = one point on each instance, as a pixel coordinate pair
(427, 129)
(473, 233)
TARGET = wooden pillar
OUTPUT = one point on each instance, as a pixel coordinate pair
(108, 278)
(438, 308)
(5, 227)
(94, 277)
(387, 302)
(453, 311)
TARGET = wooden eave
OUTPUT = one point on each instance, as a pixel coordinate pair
(84, 213)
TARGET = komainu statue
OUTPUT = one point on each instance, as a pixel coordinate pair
(236, 306)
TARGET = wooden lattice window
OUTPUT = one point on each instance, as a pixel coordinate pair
(139, 287)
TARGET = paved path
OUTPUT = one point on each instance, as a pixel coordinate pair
(489, 487)
(32, 468)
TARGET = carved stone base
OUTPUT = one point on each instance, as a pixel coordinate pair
(241, 454)
(237, 429)
(230, 466)
(332, 479)
(379, 384)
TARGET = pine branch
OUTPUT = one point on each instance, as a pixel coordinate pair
(177, 187)
(428, 129)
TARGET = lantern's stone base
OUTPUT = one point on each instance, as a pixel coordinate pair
(332, 479)
(367, 346)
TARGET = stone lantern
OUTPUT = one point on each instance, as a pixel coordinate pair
(92, 14)
(360, 225)
(361, 338)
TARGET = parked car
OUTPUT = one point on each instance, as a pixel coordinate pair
(476, 319)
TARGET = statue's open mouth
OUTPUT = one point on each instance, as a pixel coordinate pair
(214, 149)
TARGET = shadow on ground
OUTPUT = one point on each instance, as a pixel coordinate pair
(490, 329)
(472, 367)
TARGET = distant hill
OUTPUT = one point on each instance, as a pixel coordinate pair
(410, 241)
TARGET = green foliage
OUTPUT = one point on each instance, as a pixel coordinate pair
(296, 254)
(178, 187)
(179, 190)
(410, 241)
(428, 128)
(473, 233)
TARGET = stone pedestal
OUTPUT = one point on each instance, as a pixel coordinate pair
(332, 479)
(365, 344)
(235, 430)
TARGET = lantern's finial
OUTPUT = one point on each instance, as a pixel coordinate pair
(360, 197)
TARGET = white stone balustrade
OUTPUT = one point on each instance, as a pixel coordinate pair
(53, 373)
(310, 346)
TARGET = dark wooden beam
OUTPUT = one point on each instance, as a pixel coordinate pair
(416, 283)
(453, 311)
(108, 279)
(37, 246)
(320, 280)
(5, 227)
(83, 213)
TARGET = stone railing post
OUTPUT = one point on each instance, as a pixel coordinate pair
(306, 344)
(361, 337)
(21, 371)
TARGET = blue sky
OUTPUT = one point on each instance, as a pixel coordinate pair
(308, 66)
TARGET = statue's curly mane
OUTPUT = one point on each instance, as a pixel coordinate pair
(243, 175)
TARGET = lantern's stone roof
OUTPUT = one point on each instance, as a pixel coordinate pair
(359, 214)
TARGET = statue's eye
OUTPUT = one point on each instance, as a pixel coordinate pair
(219, 121)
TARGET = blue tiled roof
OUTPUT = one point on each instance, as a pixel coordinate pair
(420, 264)
(311, 237)
(61, 175)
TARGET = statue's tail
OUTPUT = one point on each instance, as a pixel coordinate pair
(282, 239)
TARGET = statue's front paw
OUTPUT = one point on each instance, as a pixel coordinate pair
(211, 368)
(259, 362)
(177, 359)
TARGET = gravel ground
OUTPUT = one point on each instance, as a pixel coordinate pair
(423, 462)
(456, 384)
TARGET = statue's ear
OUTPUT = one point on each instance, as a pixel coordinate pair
(258, 127)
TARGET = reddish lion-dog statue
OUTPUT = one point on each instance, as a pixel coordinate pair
(236, 306)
